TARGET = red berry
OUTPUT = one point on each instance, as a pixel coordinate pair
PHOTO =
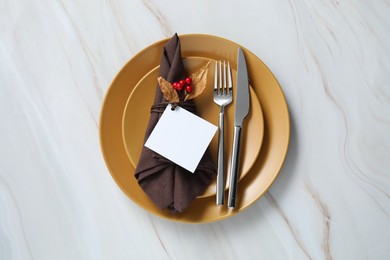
(180, 84)
(188, 89)
(175, 85)
(188, 80)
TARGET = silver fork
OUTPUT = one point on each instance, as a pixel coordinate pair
(223, 96)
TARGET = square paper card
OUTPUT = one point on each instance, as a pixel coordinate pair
(181, 137)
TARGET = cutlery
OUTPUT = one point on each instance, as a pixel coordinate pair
(241, 111)
(223, 96)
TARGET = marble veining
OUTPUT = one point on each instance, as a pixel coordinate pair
(159, 16)
(331, 199)
(326, 220)
(292, 229)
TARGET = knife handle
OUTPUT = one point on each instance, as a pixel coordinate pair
(220, 192)
(235, 163)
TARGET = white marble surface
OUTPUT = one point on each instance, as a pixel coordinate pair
(57, 198)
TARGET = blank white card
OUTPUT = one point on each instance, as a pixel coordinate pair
(181, 137)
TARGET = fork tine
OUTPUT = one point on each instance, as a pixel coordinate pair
(224, 90)
(216, 76)
(220, 77)
(230, 84)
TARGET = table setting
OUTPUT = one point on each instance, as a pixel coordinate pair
(203, 209)
(194, 130)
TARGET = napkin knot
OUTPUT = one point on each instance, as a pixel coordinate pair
(159, 108)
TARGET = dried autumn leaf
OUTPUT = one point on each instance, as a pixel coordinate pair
(199, 81)
(166, 88)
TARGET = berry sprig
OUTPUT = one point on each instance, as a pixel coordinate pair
(183, 84)
(187, 88)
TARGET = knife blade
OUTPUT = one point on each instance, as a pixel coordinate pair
(241, 111)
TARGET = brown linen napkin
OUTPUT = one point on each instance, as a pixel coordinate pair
(168, 185)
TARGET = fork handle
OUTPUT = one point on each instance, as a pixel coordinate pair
(235, 163)
(220, 192)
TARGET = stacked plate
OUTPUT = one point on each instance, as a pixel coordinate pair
(126, 111)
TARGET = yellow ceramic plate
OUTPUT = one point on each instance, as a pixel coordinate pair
(137, 112)
(276, 127)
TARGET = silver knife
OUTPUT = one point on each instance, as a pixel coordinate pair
(241, 111)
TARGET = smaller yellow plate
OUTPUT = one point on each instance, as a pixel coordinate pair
(137, 112)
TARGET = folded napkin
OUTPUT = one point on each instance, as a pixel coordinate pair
(168, 185)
